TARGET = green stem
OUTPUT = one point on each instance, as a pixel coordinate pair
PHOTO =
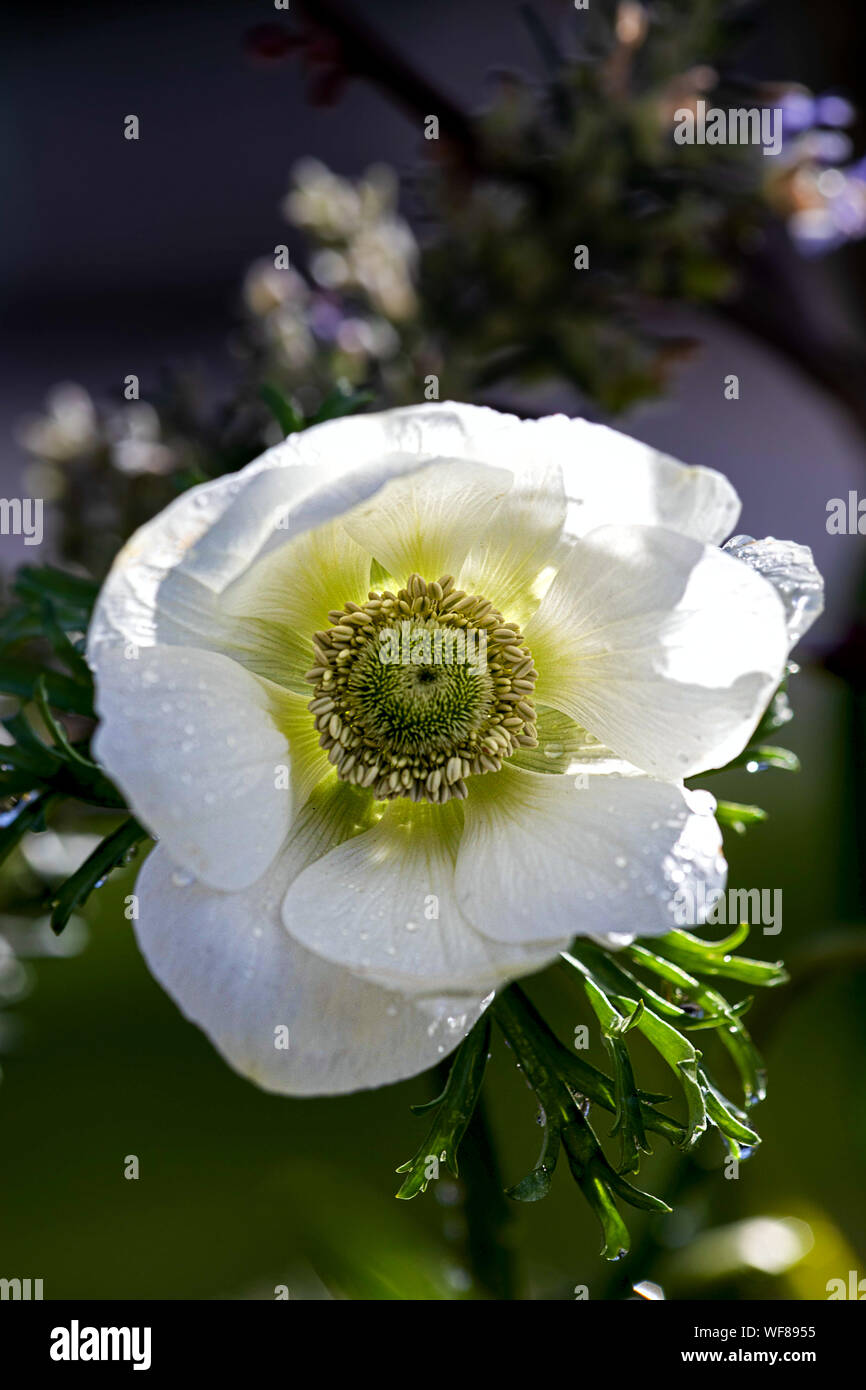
(525, 1032)
(530, 1034)
(96, 866)
(543, 1060)
(488, 1215)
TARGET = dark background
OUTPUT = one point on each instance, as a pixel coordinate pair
(121, 256)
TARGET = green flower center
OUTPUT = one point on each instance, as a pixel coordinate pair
(418, 690)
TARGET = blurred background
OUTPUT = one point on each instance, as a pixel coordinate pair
(413, 259)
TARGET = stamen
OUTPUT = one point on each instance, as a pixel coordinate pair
(418, 690)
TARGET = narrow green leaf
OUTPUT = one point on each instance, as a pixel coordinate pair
(612, 977)
(541, 1057)
(536, 1184)
(282, 410)
(70, 593)
(113, 851)
(340, 402)
(57, 731)
(725, 1117)
(738, 817)
(598, 1181)
(719, 1014)
(63, 647)
(28, 752)
(714, 958)
(28, 814)
(19, 678)
(759, 757)
(456, 1105)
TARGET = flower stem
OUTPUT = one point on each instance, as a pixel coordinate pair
(488, 1216)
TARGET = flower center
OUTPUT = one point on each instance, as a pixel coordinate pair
(418, 690)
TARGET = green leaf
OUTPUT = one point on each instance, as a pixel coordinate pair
(759, 757)
(583, 1079)
(283, 411)
(340, 402)
(715, 958)
(778, 711)
(724, 1017)
(738, 817)
(455, 1107)
(612, 978)
(66, 773)
(682, 1058)
(541, 1056)
(64, 649)
(18, 677)
(673, 1046)
(57, 731)
(15, 782)
(19, 624)
(536, 1185)
(727, 1119)
(28, 814)
(598, 1182)
(629, 1117)
(628, 1122)
(113, 851)
(73, 596)
(27, 752)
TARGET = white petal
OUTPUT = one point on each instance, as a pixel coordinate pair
(789, 567)
(604, 475)
(665, 649)
(190, 738)
(165, 584)
(564, 747)
(232, 968)
(297, 585)
(609, 477)
(426, 522)
(542, 856)
(612, 478)
(521, 541)
(384, 904)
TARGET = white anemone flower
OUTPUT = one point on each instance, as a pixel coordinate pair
(366, 828)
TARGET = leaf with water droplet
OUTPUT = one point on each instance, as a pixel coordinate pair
(454, 1109)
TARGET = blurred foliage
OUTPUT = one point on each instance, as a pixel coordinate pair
(495, 292)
